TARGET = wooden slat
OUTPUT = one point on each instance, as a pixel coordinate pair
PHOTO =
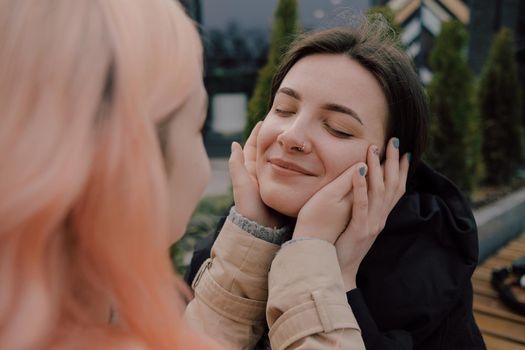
(517, 245)
(483, 273)
(500, 327)
(511, 253)
(497, 343)
(493, 306)
(497, 262)
(483, 288)
(521, 239)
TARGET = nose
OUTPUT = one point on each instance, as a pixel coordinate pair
(294, 137)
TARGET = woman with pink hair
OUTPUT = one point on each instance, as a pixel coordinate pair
(85, 214)
(102, 163)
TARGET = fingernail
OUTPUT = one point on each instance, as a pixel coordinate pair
(375, 150)
(232, 146)
(395, 142)
(409, 156)
(362, 171)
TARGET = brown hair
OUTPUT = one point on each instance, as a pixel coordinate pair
(375, 48)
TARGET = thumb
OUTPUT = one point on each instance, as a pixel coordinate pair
(238, 173)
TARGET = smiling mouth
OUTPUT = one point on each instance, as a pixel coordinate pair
(283, 166)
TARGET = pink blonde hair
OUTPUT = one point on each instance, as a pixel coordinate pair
(83, 210)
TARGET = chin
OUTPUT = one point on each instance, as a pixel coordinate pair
(177, 230)
(282, 202)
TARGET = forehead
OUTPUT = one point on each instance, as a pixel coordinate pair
(336, 78)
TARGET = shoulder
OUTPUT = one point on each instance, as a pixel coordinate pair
(429, 245)
(435, 215)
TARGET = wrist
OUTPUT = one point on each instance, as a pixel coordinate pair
(349, 284)
(261, 217)
(349, 279)
(276, 235)
(248, 214)
(304, 231)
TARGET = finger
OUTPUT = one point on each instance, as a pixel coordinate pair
(359, 220)
(391, 169)
(250, 148)
(376, 185)
(252, 139)
(238, 173)
(342, 185)
(404, 165)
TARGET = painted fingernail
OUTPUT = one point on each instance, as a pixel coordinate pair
(409, 156)
(375, 150)
(362, 171)
(395, 142)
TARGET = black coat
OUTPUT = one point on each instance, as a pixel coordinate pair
(414, 284)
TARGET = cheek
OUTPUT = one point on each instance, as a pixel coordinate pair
(195, 170)
(265, 139)
(336, 162)
(204, 168)
(189, 175)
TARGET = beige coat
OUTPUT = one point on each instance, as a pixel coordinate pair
(297, 289)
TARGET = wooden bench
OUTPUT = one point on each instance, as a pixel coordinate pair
(502, 329)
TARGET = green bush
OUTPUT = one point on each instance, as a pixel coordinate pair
(285, 28)
(499, 99)
(454, 128)
(202, 223)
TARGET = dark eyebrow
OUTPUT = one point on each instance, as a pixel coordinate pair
(342, 109)
(329, 106)
(290, 92)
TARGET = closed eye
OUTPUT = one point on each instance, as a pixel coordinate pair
(283, 112)
(338, 133)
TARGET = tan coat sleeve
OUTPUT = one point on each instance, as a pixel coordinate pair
(231, 288)
(307, 306)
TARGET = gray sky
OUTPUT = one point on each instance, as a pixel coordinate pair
(258, 13)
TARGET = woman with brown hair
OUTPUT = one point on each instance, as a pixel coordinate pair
(341, 97)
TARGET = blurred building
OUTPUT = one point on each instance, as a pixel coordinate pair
(421, 22)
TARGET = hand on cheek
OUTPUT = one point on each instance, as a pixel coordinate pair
(326, 214)
(372, 203)
(246, 195)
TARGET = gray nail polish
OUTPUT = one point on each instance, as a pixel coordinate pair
(395, 142)
(362, 171)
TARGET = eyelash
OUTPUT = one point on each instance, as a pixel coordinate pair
(334, 132)
(337, 133)
(283, 112)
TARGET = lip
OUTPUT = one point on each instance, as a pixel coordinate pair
(282, 165)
